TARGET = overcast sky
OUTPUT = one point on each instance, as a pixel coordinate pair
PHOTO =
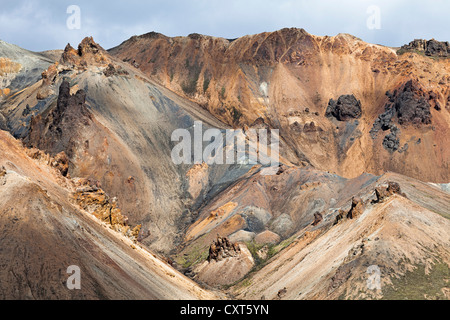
(42, 24)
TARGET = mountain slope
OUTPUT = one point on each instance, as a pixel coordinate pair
(43, 233)
(288, 77)
(406, 242)
(95, 172)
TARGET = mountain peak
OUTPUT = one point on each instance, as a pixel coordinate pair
(89, 53)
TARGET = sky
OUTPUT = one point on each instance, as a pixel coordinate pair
(40, 25)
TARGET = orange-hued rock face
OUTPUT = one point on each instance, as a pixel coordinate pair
(8, 66)
(89, 53)
(98, 184)
(287, 78)
(8, 70)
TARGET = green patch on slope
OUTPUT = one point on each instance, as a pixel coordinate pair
(417, 285)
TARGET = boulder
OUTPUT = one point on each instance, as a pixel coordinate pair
(347, 107)
(357, 208)
(382, 192)
(317, 218)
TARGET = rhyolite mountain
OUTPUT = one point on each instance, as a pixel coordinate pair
(87, 177)
(289, 78)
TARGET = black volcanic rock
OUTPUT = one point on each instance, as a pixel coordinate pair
(431, 47)
(347, 107)
(391, 142)
(411, 105)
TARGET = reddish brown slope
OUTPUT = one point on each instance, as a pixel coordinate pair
(279, 75)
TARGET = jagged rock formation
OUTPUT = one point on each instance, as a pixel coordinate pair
(383, 193)
(410, 104)
(111, 70)
(55, 131)
(345, 108)
(357, 208)
(318, 217)
(91, 198)
(89, 53)
(432, 48)
(222, 248)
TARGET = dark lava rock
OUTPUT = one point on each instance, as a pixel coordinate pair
(432, 48)
(26, 111)
(410, 104)
(345, 108)
(391, 142)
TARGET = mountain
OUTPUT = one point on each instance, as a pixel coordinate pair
(20, 68)
(359, 194)
(288, 78)
(44, 231)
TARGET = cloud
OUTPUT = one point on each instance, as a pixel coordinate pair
(41, 24)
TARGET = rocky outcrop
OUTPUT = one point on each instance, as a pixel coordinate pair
(89, 53)
(56, 130)
(391, 141)
(347, 107)
(317, 218)
(2, 171)
(60, 162)
(340, 216)
(267, 237)
(382, 193)
(357, 208)
(3, 123)
(432, 48)
(222, 248)
(409, 105)
(412, 105)
(91, 198)
(112, 70)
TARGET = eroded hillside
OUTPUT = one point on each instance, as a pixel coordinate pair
(364, 169)
(288, 77)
